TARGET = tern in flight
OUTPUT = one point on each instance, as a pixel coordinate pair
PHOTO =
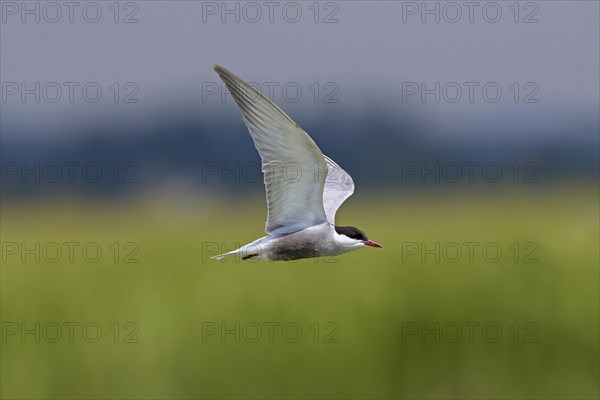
(304, 187)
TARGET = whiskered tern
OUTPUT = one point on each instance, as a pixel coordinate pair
(304, 187)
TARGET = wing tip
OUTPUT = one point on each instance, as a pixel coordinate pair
(234, 83)
(218, 69)
(222, 71)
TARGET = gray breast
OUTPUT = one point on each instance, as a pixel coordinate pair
(312, 242)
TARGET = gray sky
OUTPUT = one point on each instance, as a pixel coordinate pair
(376, 49)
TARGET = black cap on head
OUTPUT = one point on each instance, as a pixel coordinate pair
(351, 232)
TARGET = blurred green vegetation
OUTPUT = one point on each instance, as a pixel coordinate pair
(372, 297)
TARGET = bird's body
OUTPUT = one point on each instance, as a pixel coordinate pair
(314, 241)
(304, 187)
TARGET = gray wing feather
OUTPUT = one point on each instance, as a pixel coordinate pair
(294, 168)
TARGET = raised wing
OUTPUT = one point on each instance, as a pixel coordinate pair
(338, 187)
(294, 168)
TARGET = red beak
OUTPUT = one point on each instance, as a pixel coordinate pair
(372, 244)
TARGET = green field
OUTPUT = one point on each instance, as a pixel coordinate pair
(375, 323)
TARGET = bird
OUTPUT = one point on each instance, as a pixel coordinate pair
(304, 188)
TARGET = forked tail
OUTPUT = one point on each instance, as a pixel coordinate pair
(235, 252)
(246, 252)
(231, 253)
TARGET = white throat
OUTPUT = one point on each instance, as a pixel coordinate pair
(344, 243)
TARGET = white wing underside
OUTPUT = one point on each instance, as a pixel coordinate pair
(338, 187)
(303, 187)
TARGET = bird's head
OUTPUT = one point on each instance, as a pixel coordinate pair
(354, 238)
